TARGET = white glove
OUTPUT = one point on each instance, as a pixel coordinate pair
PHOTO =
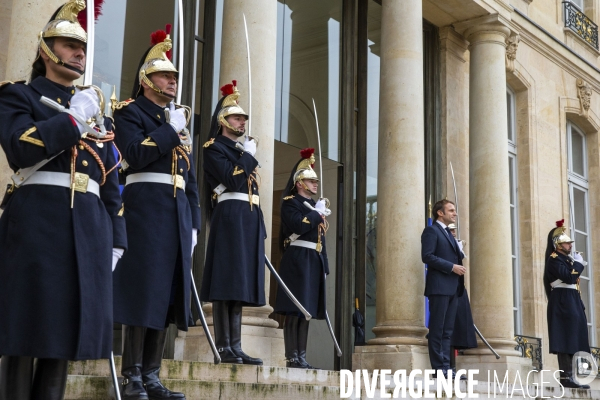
(117, 254)
(177, 118)
(322, 209)
(86, 105)
(250, 146)
(577, 257)
(461, 245)
(194, 238)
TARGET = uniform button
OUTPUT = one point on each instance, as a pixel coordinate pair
(81, 147)
(59, 100)
(180, 170)
(72, 91)
(157, 116)
(84, 163)
(22, 179)
(180, 157)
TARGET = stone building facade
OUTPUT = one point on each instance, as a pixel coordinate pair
(505, 91)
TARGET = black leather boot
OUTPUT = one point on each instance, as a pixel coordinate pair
(50, 379)
(235, 327)
(154, 345)
(302, 341)
(16, 374)
(565, 363)
(290, 340)
(131, 369)
(222, 333)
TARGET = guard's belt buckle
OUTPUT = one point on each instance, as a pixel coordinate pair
(81, 182)
(255, 200)
(179, 181)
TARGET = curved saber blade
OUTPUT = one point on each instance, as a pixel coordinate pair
(456, 201)
(286, 290)
(180, 42)
(486, 342)
(113, 374)
(249, 123)
(217, 357)
(89, 64)
(319, 142)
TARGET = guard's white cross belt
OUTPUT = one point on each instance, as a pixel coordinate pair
(155, 177)
(304, 243)
(560, 284)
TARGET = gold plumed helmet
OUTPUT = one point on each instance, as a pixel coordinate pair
(304, 169)
(559, 235)
(65, 24)
(158, 58)
(230, 105)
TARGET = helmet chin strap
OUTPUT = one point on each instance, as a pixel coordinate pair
(306, 187)
(57, 60)
(152, 86)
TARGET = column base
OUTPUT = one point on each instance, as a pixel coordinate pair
(512, 365)
(393, 357)
(260, 338)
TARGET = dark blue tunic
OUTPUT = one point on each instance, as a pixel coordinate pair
(159, 223)
(567, 323)
(302, 269)
(55, 261)
(235, 256)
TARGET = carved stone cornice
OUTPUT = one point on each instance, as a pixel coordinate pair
(512, 43)
(584, 93)
(475, 29)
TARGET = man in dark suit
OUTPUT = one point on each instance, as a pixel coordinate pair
(444, 282)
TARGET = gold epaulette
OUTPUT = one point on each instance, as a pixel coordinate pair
(211, 141)
(288, 197)
(120, 104)
(4, 83)
(553, 255)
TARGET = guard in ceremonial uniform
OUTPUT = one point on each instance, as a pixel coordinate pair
(61, 220)
(304, 262)
(234, 270)
(567, 323)
(152, 285)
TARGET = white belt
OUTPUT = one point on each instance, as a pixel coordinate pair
(304, 243)
(83, 183)
(238, 196)
(560, 284)
(155, 177)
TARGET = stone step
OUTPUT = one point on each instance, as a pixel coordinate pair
(201, 371)
(85, 387)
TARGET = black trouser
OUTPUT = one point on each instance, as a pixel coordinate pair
(18, 380)
(442, 314)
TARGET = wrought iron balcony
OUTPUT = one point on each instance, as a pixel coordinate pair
(530, 347)
(584, 27)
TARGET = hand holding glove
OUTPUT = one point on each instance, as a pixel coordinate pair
(250, 146)
(322, 208)
(85, 104)
(116, 256)
(194, 238)
(176, 117)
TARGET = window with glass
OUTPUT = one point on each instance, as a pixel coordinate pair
(514, 214)
(579, 215)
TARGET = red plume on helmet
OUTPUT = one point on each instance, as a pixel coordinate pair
(82, 16)
(159, 36)
(228, 89)
(306, 153)
(560, 223)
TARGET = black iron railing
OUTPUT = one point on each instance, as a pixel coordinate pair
(530, 347)
(577, 21)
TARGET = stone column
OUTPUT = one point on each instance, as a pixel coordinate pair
(260, 336)
(399, 326)
(489, 203)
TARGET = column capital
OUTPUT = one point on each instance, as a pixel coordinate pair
(474, 29)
